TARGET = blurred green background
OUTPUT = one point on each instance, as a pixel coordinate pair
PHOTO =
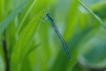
(27, 44)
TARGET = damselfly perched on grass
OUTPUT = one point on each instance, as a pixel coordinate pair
(58, 34)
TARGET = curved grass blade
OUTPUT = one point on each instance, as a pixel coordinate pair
(25, 16)
(11, 16)
(94, 15)
(32, 49)
(71, 19)
(23, 44)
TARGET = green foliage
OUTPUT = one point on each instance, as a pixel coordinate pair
(94, 15)
(11, 16)
(29, 44)
(23, 44)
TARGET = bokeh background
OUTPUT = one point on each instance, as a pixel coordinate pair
(27, 43)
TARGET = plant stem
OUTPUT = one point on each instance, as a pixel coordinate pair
(6, 55)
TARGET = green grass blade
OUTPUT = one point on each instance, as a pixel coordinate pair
(32, 48)
(2, 61)
(71, 19)
(25, 16)
(1, 10)
(23, 44)
(2, 64)
(94, 15)
(11, 16)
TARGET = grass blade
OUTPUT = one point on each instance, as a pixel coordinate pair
(94, 15)
(11, 16)
(28, 11)
(24, 42)
(71, 19)
(2, 61)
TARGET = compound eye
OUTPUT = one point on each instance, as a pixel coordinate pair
(47, 13)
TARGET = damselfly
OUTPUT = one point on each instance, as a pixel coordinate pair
(58, 34)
